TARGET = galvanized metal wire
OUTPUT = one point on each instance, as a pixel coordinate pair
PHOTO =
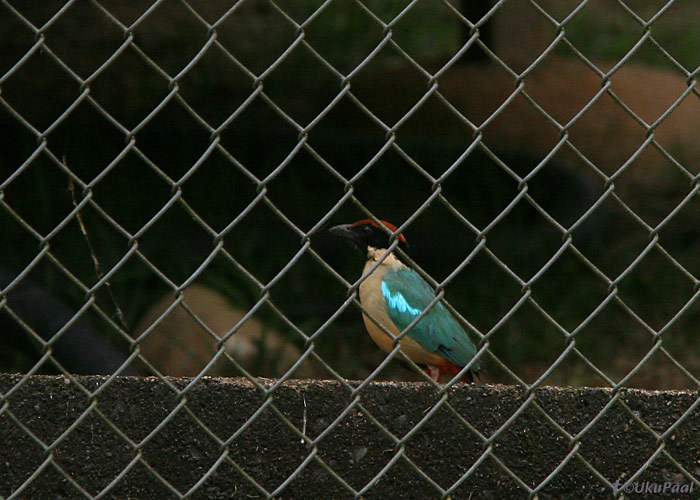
(343, 92)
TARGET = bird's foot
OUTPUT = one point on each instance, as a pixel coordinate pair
(434, 372)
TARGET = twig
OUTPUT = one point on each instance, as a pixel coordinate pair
(303, 428)
(95, 260)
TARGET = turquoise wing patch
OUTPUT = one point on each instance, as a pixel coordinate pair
(407, 295)
(398, 302)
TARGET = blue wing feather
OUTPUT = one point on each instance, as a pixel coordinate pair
(407, 295)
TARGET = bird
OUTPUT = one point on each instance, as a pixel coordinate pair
(394, 295)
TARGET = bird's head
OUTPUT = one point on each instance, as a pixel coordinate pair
(367, 233)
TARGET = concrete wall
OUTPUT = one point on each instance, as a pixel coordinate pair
(181, 452)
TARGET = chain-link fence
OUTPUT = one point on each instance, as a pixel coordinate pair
(169, 171)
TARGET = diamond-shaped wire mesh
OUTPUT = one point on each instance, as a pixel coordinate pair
(169, 171)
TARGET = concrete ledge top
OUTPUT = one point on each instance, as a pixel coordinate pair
(137, 438)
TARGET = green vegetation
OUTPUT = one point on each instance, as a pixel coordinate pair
(606, 30)
(304, 191)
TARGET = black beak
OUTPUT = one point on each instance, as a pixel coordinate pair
(344, 230)
(349, 232)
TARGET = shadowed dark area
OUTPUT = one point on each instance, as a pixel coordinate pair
(163, 176)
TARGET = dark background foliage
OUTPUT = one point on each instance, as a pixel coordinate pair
(139, 134)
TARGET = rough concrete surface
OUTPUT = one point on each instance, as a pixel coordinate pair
(181, 452)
